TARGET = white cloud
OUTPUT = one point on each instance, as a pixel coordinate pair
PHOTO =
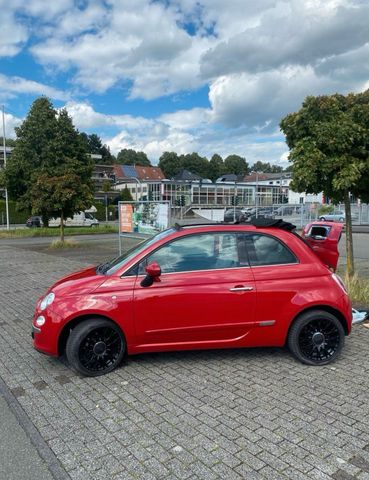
(292, 33)
(259, 60)
(259, 101)
(14, 86)
(12, 33)
(11, 122)
(183, 132)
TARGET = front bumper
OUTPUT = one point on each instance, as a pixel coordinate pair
(45, 338)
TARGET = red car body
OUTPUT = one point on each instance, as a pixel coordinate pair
(232, 306)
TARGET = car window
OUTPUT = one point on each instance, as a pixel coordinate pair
(267, 250)
(196, 252)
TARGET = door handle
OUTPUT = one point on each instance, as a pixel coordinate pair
(241, 289)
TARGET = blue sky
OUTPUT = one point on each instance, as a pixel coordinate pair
(182, 75)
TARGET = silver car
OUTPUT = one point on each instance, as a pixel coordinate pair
(336, 216)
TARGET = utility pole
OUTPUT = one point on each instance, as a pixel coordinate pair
(6, 190)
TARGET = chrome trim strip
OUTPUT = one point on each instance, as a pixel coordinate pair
(266, 323)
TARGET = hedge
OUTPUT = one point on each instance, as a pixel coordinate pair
(15, 216)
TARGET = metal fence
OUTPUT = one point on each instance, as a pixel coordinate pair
(298, 214)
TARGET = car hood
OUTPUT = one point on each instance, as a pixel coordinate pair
(77, 283)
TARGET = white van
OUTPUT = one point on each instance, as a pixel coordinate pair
(80, 219)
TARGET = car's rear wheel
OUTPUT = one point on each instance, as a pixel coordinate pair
(316, 338)
(322, 219)
(341, 219)
(95, 347)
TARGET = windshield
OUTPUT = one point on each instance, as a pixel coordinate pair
(114, 265)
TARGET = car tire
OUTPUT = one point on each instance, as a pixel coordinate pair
(316, 338)
(341, 219)
(95, 347)
(322, 219)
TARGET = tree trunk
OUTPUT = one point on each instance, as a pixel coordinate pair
(349, 242)
(62, 227)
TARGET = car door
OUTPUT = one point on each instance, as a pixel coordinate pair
(278, 276)
(323, 238)
(205, 296)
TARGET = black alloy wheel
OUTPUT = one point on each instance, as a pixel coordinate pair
(95, 347)
(316, 338)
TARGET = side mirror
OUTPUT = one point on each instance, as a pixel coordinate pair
(153, 272)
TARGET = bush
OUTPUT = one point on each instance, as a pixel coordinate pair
(100, 214)
(15, 216)
(325, 209)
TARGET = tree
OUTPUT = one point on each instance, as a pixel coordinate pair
(329, 150)
(216, 167)
(194, 163)
(170, 164)
(266, 167)
(125, 195)
(49, 171)
(32, 150)
(131, 157)
(236, 165)
(94, 145)
(9, 142)
(63, 186)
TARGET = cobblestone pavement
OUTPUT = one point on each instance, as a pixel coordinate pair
(235, 414)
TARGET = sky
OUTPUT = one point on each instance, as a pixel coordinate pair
(206, 76)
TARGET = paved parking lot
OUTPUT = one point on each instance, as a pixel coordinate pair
(235, 414)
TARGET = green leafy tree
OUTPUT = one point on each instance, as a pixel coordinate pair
(329, 150)
(94, 145)
(32, 150)
(131, 157)
(236, 164)
(125, 195)
(266, 167)
(216, 167)
(170, 164)
(49, 171)
(63, 186)
(9, 142)
(194, 163)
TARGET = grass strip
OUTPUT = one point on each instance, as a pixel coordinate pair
(55, 232)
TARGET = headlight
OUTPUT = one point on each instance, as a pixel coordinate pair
(40, 321)
(48, 300)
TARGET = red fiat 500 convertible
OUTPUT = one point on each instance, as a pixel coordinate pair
(201, 287)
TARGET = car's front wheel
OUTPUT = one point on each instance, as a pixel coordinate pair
(316, 337)
(322, 219)
(95, 347)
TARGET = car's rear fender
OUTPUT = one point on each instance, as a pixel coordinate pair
(327, 308)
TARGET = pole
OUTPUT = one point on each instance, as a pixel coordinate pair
(257, 195)
(6, 190)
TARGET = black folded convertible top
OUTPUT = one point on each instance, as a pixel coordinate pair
(272, 222)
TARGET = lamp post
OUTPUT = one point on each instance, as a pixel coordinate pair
(257, 194)
(6, 190)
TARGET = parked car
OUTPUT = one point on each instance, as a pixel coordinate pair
(201, 287)
(265, 212)
(34, 221)
(234, 215)
(336, 216)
